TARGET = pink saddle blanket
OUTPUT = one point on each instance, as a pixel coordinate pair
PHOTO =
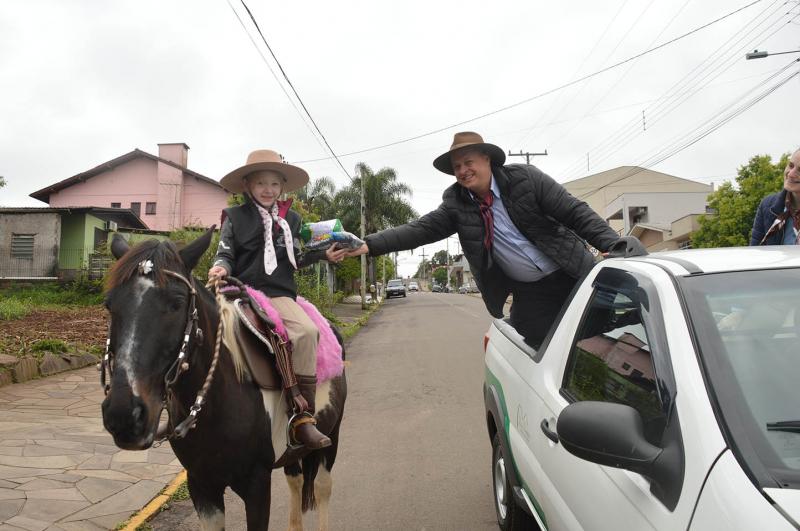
(329, 351)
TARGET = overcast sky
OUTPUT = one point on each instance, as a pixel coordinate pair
(82, 82)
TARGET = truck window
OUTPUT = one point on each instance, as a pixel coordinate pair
(611, 360)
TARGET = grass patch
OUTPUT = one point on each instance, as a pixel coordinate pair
(18, 300)
(348, 330)
(181, 494)
(49, 345)
(13, 309)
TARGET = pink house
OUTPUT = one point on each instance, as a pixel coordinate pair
(161, 190)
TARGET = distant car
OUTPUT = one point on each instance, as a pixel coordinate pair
(436, 288)
(413, 286)
(463, 289)
(395, 288)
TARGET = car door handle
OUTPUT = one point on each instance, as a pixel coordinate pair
(550, 434)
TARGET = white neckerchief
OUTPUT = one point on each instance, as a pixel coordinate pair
(267, 216)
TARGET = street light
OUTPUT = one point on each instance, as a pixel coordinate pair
(760, 54)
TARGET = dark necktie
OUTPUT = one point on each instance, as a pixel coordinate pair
(488, 220)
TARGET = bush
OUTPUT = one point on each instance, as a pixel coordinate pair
(318, 295)
(13, 309)
(187, 235)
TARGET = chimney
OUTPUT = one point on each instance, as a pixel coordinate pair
(177, 153)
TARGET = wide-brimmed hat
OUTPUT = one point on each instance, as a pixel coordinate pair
(265, 159)
(468, 139)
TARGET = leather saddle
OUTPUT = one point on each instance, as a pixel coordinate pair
(255, 328)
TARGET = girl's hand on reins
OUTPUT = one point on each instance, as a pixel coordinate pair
(217, 272)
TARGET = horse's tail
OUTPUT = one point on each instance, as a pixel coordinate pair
(311, 464)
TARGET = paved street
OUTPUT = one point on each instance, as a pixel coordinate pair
(414, 453)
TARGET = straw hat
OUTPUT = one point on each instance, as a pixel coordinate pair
(468, 139)
(265, 159)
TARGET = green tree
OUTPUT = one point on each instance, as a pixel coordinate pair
(385, 203)
(735, 207)
(317, 197)
(439, 257)
(2, 181)
(440, 276)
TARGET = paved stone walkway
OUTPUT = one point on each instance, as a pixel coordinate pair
(59, 469)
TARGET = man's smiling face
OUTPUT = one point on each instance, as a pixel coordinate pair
(791, 175)
(473, 170)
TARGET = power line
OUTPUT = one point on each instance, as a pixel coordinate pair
(621, 77)
(631, 128)
(684, 89)
(275, 77)
(580, 67)
(288, 81)
(546, 93)
(682, 142)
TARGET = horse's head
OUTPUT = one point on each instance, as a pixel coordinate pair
(149, 298)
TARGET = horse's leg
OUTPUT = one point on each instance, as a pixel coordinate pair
(255, 491)
(323, 484)
(209, 502)
(294, 477)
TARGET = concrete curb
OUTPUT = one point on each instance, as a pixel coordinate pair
(155, 504)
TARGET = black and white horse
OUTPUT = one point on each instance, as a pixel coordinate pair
(161, 348)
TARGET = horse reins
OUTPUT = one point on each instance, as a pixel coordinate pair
(178, 367)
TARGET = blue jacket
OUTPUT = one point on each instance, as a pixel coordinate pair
(770, 208)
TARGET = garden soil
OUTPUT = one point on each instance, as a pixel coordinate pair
(81, 327)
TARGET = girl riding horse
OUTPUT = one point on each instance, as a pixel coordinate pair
(259, 246)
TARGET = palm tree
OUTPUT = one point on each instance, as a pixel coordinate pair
(385, 203)
(317, 197)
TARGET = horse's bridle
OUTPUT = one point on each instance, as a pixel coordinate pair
(178, 367)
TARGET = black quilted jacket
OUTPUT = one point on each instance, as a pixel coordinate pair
(543, 211)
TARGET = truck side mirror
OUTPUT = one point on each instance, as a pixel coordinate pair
(607, 434)
(613, 435)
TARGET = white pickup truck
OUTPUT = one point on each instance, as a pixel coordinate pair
(666, 396)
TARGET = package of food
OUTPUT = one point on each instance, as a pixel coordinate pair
(320, 235)
(320, 230)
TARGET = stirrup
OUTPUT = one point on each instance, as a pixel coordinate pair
(302, 417)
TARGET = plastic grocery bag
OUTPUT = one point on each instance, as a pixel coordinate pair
(320, 235)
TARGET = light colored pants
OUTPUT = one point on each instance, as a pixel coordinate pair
(302, 332)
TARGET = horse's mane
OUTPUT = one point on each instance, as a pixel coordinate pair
(163, 255)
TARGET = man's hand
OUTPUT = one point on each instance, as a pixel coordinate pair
(357, 252)
(217, 272)
(334, 254)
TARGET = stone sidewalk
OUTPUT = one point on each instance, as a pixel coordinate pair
(59, 469)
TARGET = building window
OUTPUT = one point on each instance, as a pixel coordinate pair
(137, 208)
(150, 208)
(22, 246)
(116, 205)
(685, 244)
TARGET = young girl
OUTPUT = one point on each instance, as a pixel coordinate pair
(259, 244)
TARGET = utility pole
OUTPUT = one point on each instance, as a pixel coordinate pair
(363, 256)
(447, 262)
(527, 155)
(424, 275)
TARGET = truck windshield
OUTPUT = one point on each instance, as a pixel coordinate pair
(747, 326)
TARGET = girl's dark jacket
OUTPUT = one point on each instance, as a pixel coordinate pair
(241, 249)
(543, 211)
(770, 208)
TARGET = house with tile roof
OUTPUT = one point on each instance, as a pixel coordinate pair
(160, 190)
